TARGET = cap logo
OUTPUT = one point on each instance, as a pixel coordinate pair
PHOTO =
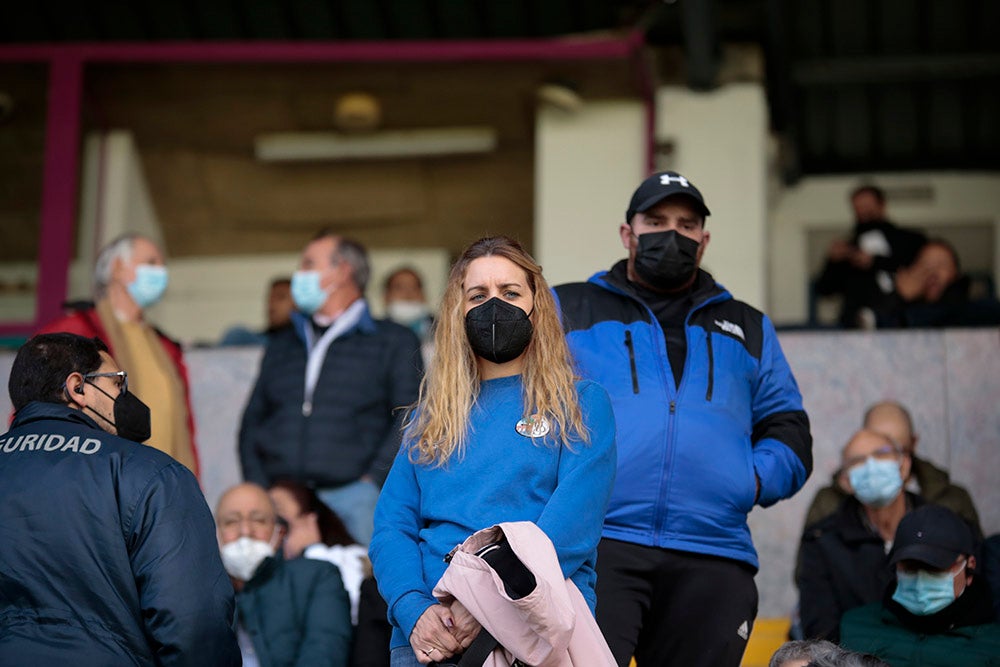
(667, 179)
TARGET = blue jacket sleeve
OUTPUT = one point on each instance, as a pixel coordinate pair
(782, 443)
(586, 475)
(252, 421)
(185, 594)
(405, 372)
(395, 542)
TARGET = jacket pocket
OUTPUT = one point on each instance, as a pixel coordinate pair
(631, 361)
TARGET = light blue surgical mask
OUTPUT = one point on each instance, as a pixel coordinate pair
(149, 284)
(876, 482)
(924, 593)
(306, 291)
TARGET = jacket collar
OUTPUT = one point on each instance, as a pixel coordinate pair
(704, 290)
(265, 571)
(366, 324)
(850, 522)
(39, 410)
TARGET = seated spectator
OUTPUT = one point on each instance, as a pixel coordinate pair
(939, 611)
(876, 245)
(932, 483)
(279, 314)
(842, 559)
(289, 612)
(929, 292)
(373, 634)
(315, 531)
(129, 277)
(406, 304)
(820, 653)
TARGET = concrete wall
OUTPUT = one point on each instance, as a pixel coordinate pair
(949, 379)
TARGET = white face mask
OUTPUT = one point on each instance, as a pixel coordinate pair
(242, 557)
(407, 313)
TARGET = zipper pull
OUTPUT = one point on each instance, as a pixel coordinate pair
(307, 408)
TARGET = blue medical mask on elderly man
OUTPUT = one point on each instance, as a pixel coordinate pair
(306, 291)
(876, 482)
(149, 284)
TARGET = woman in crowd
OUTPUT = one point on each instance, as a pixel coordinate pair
(315, 531)
(502, 431)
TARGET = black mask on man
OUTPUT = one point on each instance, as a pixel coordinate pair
(666, 260)
(498, 331)
(131, 416)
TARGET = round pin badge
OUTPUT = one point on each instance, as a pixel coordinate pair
(534, 426)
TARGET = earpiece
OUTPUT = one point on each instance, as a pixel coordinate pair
(78, 389)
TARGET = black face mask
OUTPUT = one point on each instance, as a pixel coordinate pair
(131, 416)
(498, 331)
(666, 260)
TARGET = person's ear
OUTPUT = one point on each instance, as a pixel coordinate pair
(625, 232)
(904, 466)
(74, 389)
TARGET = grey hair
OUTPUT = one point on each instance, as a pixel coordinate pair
(119, 248)
(352, 252)
(845, 658)
(805, 649)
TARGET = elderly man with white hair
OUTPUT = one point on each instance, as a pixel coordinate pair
(129, 277)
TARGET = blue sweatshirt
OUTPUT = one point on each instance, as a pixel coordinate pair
(425, 511)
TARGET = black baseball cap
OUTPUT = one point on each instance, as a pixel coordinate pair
(658, 187)
(933, 535)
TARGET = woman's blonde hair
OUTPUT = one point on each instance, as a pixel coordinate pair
(437, 425)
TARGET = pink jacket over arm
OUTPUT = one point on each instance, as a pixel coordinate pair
(552, 626)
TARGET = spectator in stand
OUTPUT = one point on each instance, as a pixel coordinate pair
(289, 612)
(929, 292)
(842, 559)
(406, 304)
(315, 531)
(875, 245)
(820, 653)
(324, 410)
(129, 277)
(938, 612)
(932, 483)
(279, 314)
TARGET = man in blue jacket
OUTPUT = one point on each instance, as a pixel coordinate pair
(324, 410)
(109, 555)
(710, 424)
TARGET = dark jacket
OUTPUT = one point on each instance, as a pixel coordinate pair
(935, 487)
(297, 613)
(109, 554)
(353, 424)
(842, 565)
(960, 634)
(689, 456)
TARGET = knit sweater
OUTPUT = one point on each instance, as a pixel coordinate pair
(425, 511)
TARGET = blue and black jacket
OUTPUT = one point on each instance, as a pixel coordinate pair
(108, 553)
(689, 456)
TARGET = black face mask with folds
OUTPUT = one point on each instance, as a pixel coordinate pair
(132, 420)
(498, 331)
(666, 260)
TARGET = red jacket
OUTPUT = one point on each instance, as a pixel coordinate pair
(87, 323)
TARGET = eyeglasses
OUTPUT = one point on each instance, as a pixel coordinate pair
(883, 453)
(121, 375)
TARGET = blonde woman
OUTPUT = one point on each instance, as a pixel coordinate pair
(502, 431)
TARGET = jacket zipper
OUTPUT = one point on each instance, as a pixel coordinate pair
(711, 366)
(631, 361)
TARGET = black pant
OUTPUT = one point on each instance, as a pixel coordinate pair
(670, 607)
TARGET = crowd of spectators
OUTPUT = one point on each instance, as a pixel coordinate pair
(892, 566)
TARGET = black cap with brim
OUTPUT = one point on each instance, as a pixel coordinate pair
(933, 535)
(658, 187)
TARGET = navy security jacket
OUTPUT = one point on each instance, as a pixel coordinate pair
(688, 455)
(353, 427)
(108, 553)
